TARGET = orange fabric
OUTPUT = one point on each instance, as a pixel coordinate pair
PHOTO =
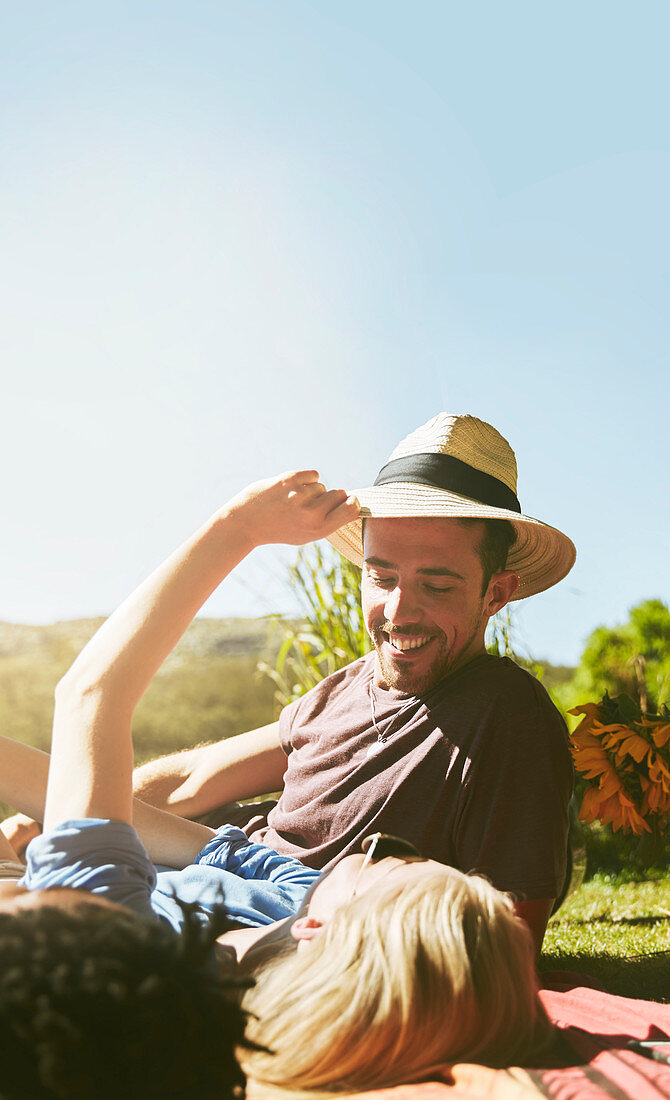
(597, 1026)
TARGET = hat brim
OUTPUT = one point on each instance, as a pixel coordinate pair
(541, 555)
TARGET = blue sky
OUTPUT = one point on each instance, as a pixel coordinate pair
(244, 237)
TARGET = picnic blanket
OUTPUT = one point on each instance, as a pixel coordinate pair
(595, 1063)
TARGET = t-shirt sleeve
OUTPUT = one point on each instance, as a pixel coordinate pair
(286, 719)
(297, 718)
(98, 856)
(512, 824)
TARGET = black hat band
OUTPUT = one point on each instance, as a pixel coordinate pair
(451, 474)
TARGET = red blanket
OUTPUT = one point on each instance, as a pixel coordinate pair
(597, 1027)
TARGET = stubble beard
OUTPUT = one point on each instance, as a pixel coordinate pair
(415, 682)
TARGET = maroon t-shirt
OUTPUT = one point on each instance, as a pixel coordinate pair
(476, 773)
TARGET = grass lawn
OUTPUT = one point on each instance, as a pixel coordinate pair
(617, 932)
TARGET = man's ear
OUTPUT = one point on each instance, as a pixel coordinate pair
(305, 929)
(502, 587)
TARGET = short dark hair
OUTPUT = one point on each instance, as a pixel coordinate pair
(100, 1003)
(495, 544)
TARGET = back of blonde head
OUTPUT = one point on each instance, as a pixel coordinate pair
(399, 984)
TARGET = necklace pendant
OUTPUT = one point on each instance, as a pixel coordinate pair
(375, 747)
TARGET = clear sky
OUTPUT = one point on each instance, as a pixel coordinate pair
(240, 237)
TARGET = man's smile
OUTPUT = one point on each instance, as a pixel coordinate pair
(403, 643)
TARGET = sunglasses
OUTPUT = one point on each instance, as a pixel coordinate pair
(379, 846)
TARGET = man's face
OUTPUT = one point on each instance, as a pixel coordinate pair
(422, 599)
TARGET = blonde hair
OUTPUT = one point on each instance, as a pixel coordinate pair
(399, 984)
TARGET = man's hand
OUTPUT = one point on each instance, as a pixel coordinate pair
(293, 508)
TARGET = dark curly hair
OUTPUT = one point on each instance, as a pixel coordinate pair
(99, 1003)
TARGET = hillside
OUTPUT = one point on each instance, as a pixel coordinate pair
(207, 689)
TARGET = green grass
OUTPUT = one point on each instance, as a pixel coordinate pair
(617, 932)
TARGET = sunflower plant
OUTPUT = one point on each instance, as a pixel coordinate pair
(623, 754)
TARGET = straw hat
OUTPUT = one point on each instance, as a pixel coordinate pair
(460, 467)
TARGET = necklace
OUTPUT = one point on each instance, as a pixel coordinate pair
(384, 734)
